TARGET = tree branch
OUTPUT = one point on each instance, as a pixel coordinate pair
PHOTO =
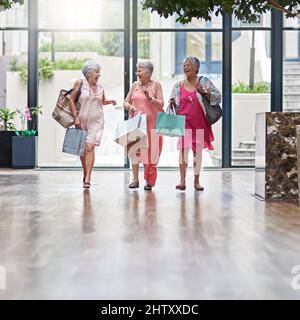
(275, 5)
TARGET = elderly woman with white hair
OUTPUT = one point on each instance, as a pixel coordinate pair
(90, 116)
(186, 98)
(146, 97)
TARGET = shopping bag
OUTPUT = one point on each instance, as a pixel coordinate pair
(132, 130)
(74, 142)
(62, 111)
(169, 124)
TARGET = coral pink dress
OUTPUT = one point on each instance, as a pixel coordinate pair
(91, 113)
(198, 132)
(136, 97)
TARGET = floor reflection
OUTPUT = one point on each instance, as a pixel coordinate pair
(88, 225)
(150, 211)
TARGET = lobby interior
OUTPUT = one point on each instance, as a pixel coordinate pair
(237, 239)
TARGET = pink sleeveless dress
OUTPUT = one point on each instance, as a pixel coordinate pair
(198, 132)
(91, 113)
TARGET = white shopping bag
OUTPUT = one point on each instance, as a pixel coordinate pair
(132, 130)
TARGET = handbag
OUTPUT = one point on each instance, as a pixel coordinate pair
(132, 130)
(213, 113)
(62, 111)
(169, 124)
(74, 141)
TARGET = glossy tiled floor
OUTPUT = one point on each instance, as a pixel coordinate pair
(59, 242)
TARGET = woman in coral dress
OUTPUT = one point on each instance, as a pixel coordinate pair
(146, 97)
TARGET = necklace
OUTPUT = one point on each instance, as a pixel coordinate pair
(144, 86)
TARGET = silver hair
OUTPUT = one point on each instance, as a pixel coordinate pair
(89, 67)
(147, 65)
(194, 60)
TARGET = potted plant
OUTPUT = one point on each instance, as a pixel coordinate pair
(24, 144)
(7, 131)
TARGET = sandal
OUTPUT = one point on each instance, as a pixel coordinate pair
(134, 185)
(86, 185)
(180, 187)
(198, 187)
(148, 187)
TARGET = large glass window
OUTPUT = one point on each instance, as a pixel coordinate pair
(291, 70)
(64, 53)
(264, 20)
(251, 77)
(173, 47)
(70, 14)
(16, 17)
(13, 75)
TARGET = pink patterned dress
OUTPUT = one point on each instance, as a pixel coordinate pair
(91, 113)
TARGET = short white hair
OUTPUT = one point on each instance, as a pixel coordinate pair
(89, 67)
(146, 65)
(193, 60)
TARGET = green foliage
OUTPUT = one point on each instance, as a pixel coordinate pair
(111, 44)
(23, 72)
(46, 69)
(26, 133)
(6, 118)
(7, 4)
(247, 11)
(14, 64)
(69, 64)
(36, 111)
(259, 87)
(144, 45)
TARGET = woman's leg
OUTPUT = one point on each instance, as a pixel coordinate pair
(82, 159)
(135, 172)
(154, 152)
(89, 160)
(133, 152)
(183, 163)
(197, 168)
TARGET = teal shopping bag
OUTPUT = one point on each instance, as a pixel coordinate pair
(170, 124)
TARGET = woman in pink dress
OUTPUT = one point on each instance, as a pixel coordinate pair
(146, 97)
(187, 100)
(90, 116)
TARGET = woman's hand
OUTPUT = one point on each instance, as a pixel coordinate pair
(77, 123)
(202, 88)
(106, 102)
(147, 95)
(132, 108)
(172, 102)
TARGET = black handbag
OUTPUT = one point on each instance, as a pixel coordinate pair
(213, 113)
